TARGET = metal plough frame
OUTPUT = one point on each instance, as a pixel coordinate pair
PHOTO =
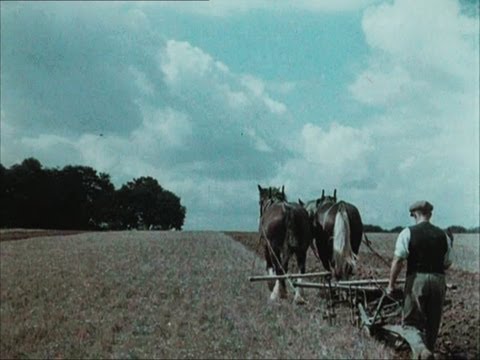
(374, 308)
(370, 306)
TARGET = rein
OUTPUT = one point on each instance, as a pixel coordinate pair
(369, 245)
(266, 205)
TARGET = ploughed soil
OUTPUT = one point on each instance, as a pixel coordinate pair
(19, 234)
(459, 336)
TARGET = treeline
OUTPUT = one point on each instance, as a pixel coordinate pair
(79, 198)
(454, 229)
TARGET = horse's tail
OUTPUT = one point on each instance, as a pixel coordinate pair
(343, 256)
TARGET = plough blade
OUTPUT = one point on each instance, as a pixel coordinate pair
(411, 336)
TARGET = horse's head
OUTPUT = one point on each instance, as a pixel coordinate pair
(271, 194)
(310, 206)
(327, 199)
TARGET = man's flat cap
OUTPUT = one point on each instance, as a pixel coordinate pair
(422, 205)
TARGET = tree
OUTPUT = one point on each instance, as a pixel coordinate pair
(457, 229)
(143, 203)
(396, 229)
(22, 194)
(372, 228)
(84, 198)
(173, 214)
(76, 197)
(4, 197)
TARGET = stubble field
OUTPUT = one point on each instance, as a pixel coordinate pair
(153, 295)
(143, 294)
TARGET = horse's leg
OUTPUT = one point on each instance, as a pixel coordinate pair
(301, 260)
(279, 288)
(286, 260)
(321, 239)
(268, 259)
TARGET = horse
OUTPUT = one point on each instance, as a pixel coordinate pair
(338, 230)
(286, 230)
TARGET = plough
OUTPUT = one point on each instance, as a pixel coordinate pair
(371, 309)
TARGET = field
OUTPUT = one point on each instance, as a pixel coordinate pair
(460, 332)
(143, 294)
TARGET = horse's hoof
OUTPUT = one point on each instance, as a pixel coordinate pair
(273, 298)
(299, 300)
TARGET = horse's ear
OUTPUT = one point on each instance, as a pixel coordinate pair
(283, 189)
(259, 188)
(317, 202)
(323, 193)
(335, 194)
(301, 202)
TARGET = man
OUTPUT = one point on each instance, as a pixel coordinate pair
(427, 251)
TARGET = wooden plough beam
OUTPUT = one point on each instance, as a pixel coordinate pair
(289, 276)
(336, 286)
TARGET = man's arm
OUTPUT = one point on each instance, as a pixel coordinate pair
(397, 265)
(447, 261)
(400, 254)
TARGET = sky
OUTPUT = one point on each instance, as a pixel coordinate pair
(377, 99)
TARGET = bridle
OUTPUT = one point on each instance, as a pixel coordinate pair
(265, 204)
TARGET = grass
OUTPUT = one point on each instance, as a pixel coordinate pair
(155, 295)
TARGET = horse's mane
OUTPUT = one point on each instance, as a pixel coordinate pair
(277, 194)
(311, 207)
(273, 193)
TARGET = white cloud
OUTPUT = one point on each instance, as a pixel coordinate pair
(336, 157)
(175, 112)
(163, 127)
(275, 107)
(197, 127)
(259, 143)
(258, 88)
(423, 74)
(188, 67)
(180, 60)
(224, 8)
(339, 147)
(145, 86)
(427, 35)
(236, 99)
(387, 87)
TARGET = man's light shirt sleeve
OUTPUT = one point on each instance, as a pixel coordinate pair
(401, 247)
(447, 262)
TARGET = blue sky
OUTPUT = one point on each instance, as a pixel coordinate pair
(378, 99)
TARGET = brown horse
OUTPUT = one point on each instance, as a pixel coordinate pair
(286, 230)
(338, 231)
